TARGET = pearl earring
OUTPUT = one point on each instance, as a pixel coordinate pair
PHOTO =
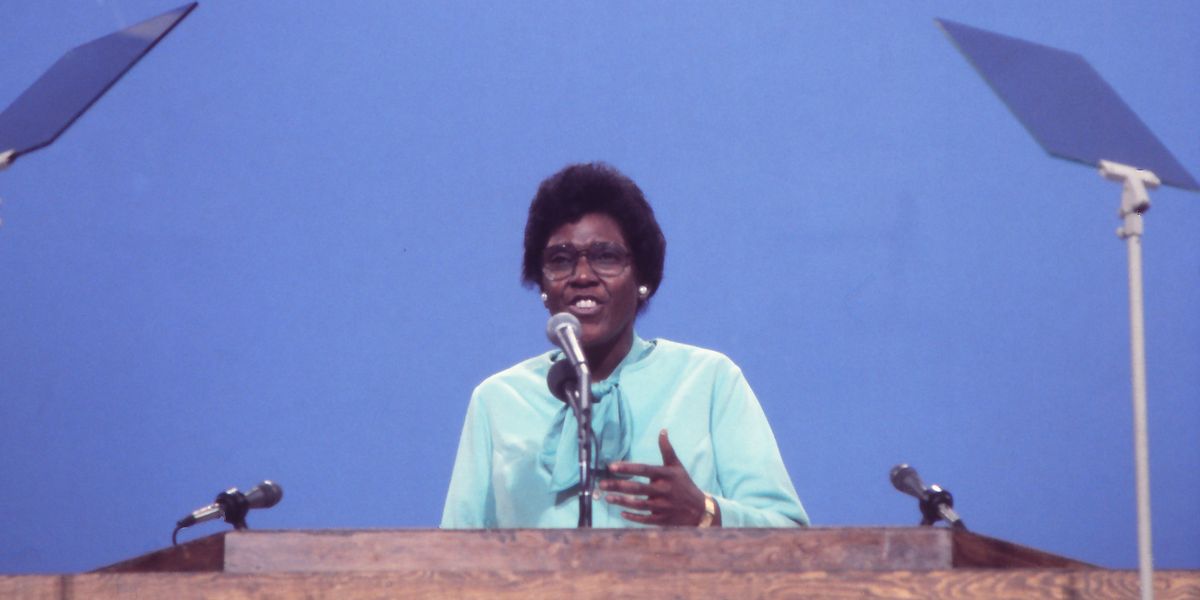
(545, 298)
(643, 292)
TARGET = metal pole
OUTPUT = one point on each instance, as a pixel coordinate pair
(1141, 445)
(1135, 201)
(583, 414)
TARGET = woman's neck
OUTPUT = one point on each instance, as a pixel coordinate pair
(604, 360)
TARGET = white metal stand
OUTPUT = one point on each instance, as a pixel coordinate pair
(1135, 201)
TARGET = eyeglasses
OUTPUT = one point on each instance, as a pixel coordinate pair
(604, 258)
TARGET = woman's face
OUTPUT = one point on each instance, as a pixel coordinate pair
(606, 305)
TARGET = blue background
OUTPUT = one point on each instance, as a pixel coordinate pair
(287, 246)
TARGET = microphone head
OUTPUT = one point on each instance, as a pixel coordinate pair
(562, 319)
(561, 376)
(905, 479)
(264, 495)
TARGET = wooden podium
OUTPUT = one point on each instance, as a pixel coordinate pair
(599, 563)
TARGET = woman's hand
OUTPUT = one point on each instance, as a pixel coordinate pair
(670, 498)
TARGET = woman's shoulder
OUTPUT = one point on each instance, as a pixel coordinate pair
(529, 372)
(679, 353)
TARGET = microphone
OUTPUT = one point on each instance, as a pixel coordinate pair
(233, 505)
(563, 331)
(935, 503)
(562, 379)
(905, 479)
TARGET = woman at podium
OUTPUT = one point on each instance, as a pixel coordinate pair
(680, 437)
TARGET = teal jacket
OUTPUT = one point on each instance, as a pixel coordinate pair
(517, 462)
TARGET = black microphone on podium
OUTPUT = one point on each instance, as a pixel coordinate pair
(936, 503)
(233, 505)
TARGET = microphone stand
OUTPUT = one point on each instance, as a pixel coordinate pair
(1135, 200)
(582, 403)
(563, 331)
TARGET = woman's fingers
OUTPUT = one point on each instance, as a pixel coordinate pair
(670, 497)
(650, 519)
(638, 469)
(627, 486)
(637, 502)
(668, 452)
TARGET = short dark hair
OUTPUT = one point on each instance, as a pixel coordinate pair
(581, 189)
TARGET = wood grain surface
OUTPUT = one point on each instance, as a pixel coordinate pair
(625, 550)
(868, 562)
(934, 585)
